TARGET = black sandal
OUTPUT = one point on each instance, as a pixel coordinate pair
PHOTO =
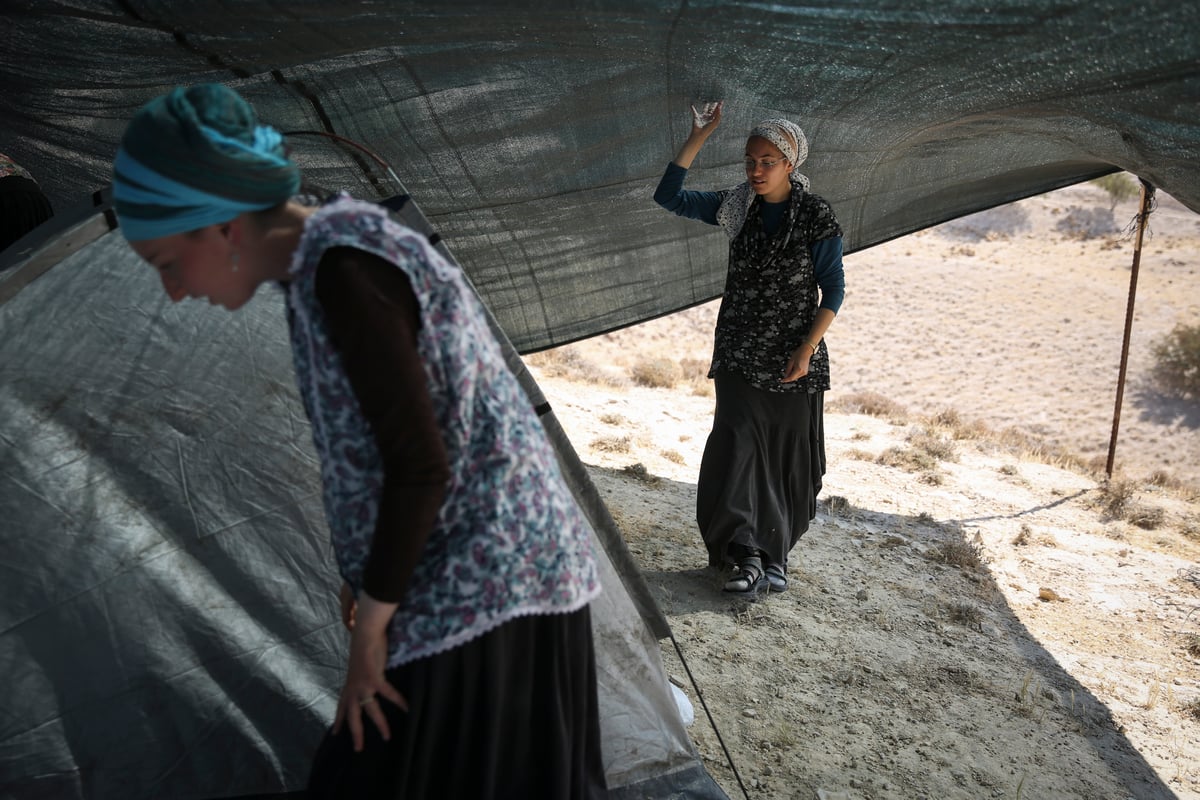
(748, 577)
(777, 577)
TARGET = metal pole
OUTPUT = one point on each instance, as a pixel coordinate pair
(1143, 215)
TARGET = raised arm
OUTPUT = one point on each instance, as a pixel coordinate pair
(704, 122)
(670, 193)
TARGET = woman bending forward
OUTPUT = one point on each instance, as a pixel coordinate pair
(467, 566)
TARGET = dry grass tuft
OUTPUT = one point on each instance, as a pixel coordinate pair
(639, 472)
(1115, 498)
(836, 504)
(928, 441)
(1145, 517)
(694, 374)
(959, 428)
(872, 403)
(674, 456)
(656, 372)
(964, 555)
(1024, 536)
(613, 419)
(1192, 709)
(613, 444)
(1191, 644)
(568, 362)
(907, 458)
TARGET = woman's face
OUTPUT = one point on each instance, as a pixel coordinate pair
(198, 264)
(767, 170)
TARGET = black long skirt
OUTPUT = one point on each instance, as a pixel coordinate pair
(512, 714)
(761, 471)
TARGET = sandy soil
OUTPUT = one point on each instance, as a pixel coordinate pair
(968, 617)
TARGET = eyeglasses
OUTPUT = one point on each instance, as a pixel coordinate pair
(765, 163)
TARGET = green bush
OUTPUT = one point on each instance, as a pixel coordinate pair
(1120, 186)
(1177, 361)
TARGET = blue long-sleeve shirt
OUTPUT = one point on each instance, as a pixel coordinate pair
(702, 206)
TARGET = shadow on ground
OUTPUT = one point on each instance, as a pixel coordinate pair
(886, 667)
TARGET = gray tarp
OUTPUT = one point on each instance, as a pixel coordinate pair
(167, 628)
(533, 133)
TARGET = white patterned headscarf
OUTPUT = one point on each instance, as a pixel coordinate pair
(790, 139)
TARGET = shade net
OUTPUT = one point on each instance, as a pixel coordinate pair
(533, 133)
(146, 437)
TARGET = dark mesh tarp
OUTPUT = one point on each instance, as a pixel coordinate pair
(534, 132)
(145, 548)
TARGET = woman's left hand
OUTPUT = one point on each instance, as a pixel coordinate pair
(797, 365)
(366, 686)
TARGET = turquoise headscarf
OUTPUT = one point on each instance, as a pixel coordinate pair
(197, 156)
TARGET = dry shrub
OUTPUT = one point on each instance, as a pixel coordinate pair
(958, 427)
(674, 456)
(837, 504)
(935, 446)
(1176, 368)
(907, 458)
(568, 362)
(964, 555)
(1192, 709)
(694, 373)
(873, 404)
(1191, 644)
(1023, 536)
(860, 455)
(1116, 497)
(1146, 517)
(1027, 446)
(657, 373)
(613, 444)
(1189, 527)
(639, 472)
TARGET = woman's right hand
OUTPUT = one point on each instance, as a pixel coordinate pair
(706, 118)
(366, 684)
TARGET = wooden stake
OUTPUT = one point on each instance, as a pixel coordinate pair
(1142, 217)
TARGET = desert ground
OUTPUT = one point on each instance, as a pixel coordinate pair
(978, 610)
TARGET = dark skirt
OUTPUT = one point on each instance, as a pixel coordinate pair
(512, 714)
(761, 471)
(23, 207)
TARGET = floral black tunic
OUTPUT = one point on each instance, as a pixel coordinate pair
(771, 297)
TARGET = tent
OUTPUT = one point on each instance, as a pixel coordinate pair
(170, 628)
(168, 624)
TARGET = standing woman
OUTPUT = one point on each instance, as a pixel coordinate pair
(765, 458)
(467, 565)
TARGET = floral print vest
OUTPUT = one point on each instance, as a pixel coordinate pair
(510, 539)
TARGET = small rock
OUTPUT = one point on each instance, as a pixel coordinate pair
(862, 594)
(751, 713)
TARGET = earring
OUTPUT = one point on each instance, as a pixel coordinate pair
(233, 258)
